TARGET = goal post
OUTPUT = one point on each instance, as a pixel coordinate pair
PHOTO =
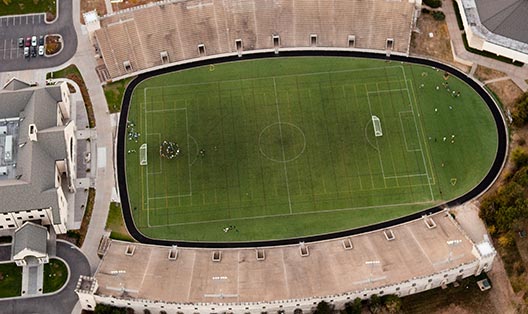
(143, 155)
(377, 126)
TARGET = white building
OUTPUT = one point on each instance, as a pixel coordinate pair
(409, 258)
(498, 27)
(37, 156)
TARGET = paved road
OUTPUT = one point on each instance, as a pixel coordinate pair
(13, 27)
(62, 302)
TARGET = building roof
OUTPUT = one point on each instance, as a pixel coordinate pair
(416, 251)
(505, 17)
(30, 236)
(31, 183)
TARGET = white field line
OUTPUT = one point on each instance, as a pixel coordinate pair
(355, 159)
(282, 144)
(418, 135)
(293, 214)
(273, 77)
(366, 152)
(147, 175)
(390, 146)
(403, 132)
(161, 167)
(377, 144)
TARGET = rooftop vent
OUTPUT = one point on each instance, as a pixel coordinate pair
(33, 132)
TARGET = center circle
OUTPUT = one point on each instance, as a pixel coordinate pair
(282, 142)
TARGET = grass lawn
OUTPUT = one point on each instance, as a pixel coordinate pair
(10, 280)
(55, 275)
(116, 223)
(285, 147)
(72, 72)
(15, 7)
(114, 94)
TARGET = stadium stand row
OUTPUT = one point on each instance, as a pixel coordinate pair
(171, 31)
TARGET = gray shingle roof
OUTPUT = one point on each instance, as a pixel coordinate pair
(505, 17)
(30, 236)
(35, 166)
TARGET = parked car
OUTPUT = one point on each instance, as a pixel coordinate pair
(41, 40)
(21, 42)
(28, 41)
(41, 50)
(33, 51)
(26, 52)
(34, 41)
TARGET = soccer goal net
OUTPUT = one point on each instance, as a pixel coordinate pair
(143, 155)
(377, 126)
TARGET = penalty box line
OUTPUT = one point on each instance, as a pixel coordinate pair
(290, 214)
(385, 177)
(188, 150)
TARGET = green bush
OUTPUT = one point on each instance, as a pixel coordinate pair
(323, 308)
(353, 307)
(438, 15)
(433, 3)
(392, 302)
(520, 112)
(426, 11)
(108, 309)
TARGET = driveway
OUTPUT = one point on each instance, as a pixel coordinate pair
(14, 27)
(62, 302)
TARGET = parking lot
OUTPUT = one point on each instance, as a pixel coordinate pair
(14, 27)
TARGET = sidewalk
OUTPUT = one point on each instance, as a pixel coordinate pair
(517, 74)
(105, 179)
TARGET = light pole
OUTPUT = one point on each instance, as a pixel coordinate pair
(450, 245)
(371, 264)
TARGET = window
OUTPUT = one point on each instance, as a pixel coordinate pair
(11, 226)
(430, 280)
(397, 288)
(8, 219)
(19, 218)
(30, 216)
(414, 284)
(42, 215)
(445, 276)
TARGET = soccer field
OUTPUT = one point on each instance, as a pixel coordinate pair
(285, 147)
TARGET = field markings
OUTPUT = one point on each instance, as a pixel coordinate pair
(418, 134)
(270, 77)
(293, 214)
(282, 144)
(377, 144)
(403, 132)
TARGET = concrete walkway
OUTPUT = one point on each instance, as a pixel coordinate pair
(32, 280)
(517, 74)
(105, 179)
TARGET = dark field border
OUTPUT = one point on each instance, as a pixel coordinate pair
(481, 187)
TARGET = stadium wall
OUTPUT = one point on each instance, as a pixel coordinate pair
(479, 37)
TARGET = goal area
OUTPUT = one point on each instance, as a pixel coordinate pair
(377, 126)
(143, 155)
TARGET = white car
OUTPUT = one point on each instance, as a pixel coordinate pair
(34, 41)
(26, 52)
(41, 50)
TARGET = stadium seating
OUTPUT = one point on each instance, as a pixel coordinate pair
(179, 27)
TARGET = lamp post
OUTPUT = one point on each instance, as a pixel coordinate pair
(450, 245)
(371, 264)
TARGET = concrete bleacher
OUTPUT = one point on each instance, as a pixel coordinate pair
(139, 36)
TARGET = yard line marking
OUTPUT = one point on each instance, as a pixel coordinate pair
(146, 131)
(418, 134)
(292, 214)
(11, 49)
(5, 48)
(355, 159)
(282, 144)
(366, 152)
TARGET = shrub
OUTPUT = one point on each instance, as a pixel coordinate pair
(323, 308)
(353, 307)
(433, 3)
(426, 11)
(438, 15)
(520, 112)
(375, 304)
(393, 303)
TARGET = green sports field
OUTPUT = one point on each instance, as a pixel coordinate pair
(285, 147)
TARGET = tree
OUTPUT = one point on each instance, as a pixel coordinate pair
(375, 304)
(354, 307)
(109, 309)
(324, 307)
(520, 111)
(519, 158)
(393, 303)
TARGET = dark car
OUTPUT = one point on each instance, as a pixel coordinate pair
(28, 41)
(21, 42)
(41, 41)
(33, 51)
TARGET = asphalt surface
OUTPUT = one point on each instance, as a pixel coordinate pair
(481, 187)
(14, 27)
(62, 302)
